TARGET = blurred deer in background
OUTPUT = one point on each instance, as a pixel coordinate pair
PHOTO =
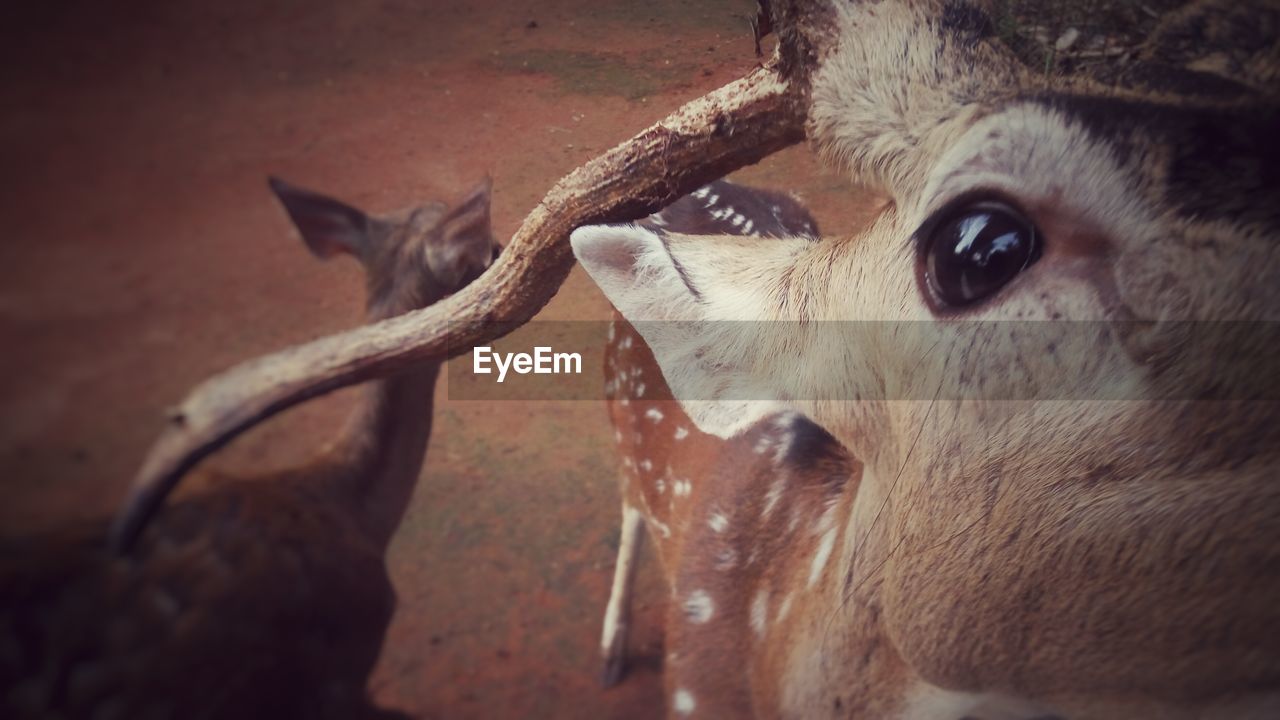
(847, 541)
(266, 597)
(661, 448)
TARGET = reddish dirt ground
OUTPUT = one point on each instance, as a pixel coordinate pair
(143, 252)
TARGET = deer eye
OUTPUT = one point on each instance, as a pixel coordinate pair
(975, 250)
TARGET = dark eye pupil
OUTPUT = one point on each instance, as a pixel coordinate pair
(978, 251)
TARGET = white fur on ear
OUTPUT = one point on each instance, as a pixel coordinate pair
(612, 255)
(706, 363)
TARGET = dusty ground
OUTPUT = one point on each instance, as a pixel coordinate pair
(142, 252)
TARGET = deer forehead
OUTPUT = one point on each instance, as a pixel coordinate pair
(419, 218)
(1046, 162)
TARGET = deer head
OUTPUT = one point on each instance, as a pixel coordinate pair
(1100, 536)
(453, 246)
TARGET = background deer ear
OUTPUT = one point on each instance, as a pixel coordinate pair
(327, 226)
(465, 246)
(706, 360)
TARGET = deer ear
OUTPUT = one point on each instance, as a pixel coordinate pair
(706, 359)
(465, 245)
(327, 226)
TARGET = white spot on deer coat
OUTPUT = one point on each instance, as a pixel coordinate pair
(640, 390)
(718, 522)
(653, 414)
(760, 612)
(820, 557)
(698, 607)
(613, 330)
(683, 702)
(646, 465)
(747, 228)
(786, 428)
(663, 529)
(726, 559)
(784, 608)
(682, 488)
(682, 432)
(660, 485)
(774, 494)
(736, 220)
(702, 191)
(781, 449)
(625, 343)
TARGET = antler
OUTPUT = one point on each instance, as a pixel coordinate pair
(729, 128)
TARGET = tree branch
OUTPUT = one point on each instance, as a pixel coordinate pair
(729, 128)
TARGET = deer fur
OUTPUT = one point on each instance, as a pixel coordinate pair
(661, 447)
(985, 557)
(266, 596)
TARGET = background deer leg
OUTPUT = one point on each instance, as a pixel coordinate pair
(617, 615)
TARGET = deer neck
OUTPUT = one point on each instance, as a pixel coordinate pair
(381, 451)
